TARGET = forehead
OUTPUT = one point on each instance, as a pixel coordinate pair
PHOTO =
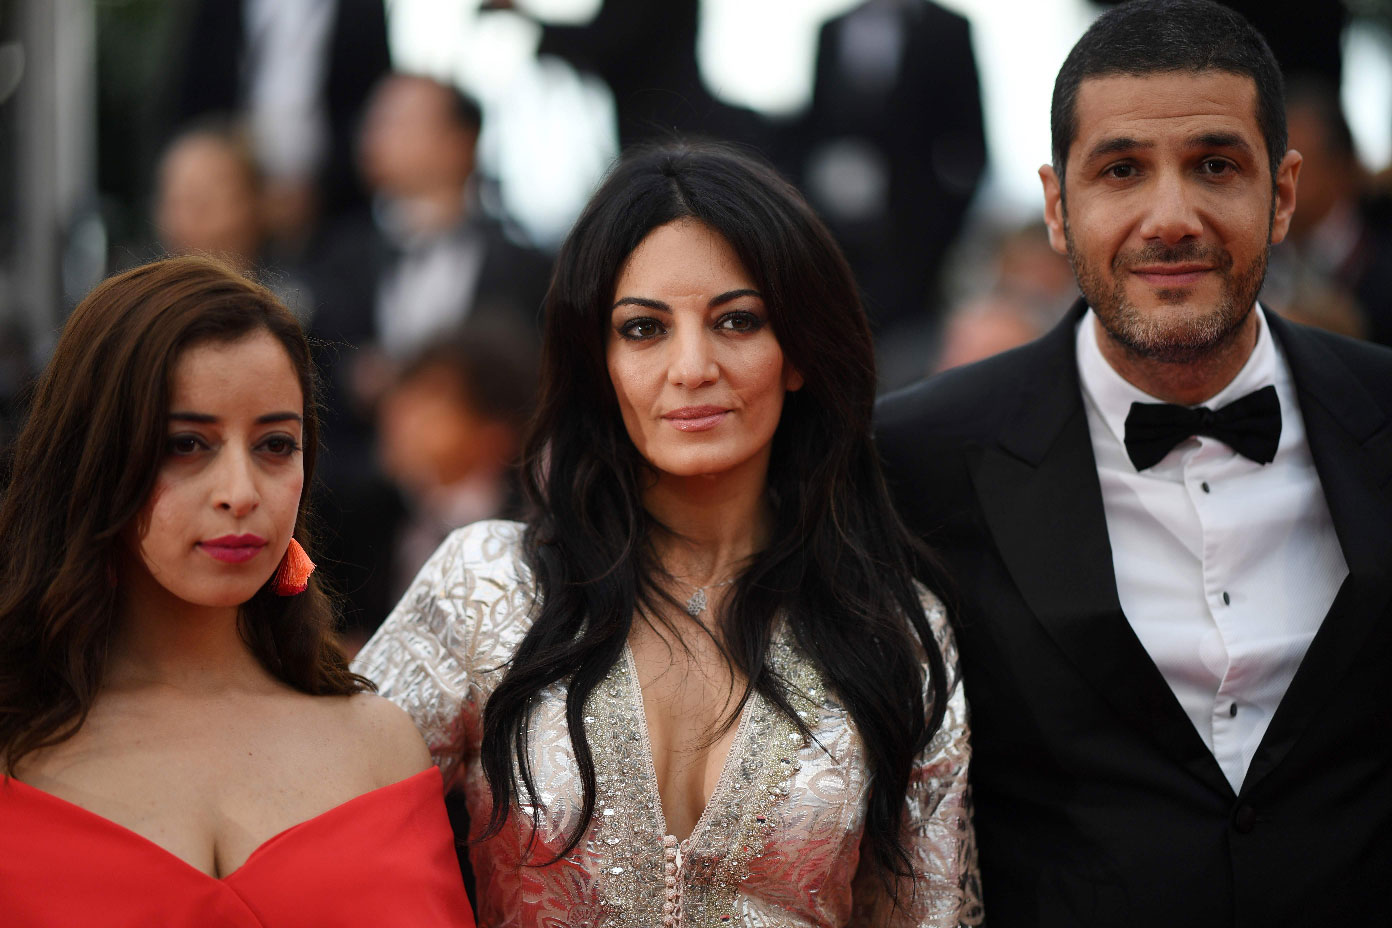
(251, 375)
(1171, 106)
(683, 254)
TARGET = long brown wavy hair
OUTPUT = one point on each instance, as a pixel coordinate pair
(83, 467)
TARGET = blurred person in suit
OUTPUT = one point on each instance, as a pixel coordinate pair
(427, 260)
(210, 199)
(1340, 239)
(300, 72)
(645, 53)
(894, 146)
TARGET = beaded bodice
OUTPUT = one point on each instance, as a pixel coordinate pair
(778, 843)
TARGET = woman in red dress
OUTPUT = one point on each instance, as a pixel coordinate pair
(181, 742)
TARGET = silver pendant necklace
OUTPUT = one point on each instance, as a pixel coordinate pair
(698, 601)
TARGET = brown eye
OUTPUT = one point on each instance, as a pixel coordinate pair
(741, 321)
(640, 329)
(183, 445)
(280, 445)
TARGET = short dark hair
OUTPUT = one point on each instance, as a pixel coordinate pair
(1153, 36)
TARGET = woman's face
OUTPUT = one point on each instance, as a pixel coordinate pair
(699, 375)
(228, 490)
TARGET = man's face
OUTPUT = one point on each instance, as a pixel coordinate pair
(1170, 208)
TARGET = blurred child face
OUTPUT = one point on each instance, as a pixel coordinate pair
(228, 490)
(431, 436)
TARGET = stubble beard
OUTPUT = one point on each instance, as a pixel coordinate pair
(1181, 338)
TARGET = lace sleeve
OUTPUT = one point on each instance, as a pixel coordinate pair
(938, 834)
(433, 653)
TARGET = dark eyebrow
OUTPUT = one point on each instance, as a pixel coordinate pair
(643, 302)
(206, 418)
(720, 300)
(734, 295)
(1220, 140)
(1116, 145)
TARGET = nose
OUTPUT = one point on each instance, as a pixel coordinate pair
(1172, 215)
(236, 490)
(692, 361)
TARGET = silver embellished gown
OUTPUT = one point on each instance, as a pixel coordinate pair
(779, 841)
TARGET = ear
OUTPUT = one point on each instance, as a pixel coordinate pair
(1053, 208)
(792, 379)
(1286, 176)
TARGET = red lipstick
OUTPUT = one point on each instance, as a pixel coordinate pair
(233, 549)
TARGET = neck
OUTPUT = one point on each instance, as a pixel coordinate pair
(1188, 382)
(162, 641)
(713, 522)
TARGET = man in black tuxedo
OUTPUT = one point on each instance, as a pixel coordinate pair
(1175, 621)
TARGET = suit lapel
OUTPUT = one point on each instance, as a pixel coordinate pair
(1039, 493)
(1352, 449)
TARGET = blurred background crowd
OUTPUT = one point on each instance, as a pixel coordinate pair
(400, 172)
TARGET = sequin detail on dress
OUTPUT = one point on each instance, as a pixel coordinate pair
(779, 841)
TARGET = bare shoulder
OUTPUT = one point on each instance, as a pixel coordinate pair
(385, 733)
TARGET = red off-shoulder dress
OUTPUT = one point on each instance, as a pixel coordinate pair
(384, 859)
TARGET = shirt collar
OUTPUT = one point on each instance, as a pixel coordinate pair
(1113, 395)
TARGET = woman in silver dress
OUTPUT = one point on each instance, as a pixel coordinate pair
(701, 685)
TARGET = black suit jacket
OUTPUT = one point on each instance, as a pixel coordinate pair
(209, 79)
(928, 126)
(1097, 803)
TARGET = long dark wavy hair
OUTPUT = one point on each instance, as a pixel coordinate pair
(839, 563)
(84, 466)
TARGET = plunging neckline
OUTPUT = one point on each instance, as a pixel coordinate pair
(650, 764)
(165, 853)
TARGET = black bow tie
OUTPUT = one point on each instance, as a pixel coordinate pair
(1251, 426)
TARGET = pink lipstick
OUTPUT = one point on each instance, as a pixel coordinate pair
(696, 418)
(233, 549)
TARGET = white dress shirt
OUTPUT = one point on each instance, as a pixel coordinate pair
(431, 287)
(286, 64)
(1225, 567)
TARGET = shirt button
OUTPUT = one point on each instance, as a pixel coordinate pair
(1232, 711)
(1245, 819)
(1227, 600)
(1204, 486)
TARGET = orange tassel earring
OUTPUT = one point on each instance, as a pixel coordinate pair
(292, 577)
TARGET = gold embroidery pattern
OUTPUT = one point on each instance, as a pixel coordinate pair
(778, 846)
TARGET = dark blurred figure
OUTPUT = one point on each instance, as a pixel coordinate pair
(16, 374)
(449, 429)
(1335, 268)
(424, 262)
(895, 146)
(210, 199)
(1029, 292)
(300, 71)
(208, 196)
(428, 258)
(1305, 35)
(645, 51)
